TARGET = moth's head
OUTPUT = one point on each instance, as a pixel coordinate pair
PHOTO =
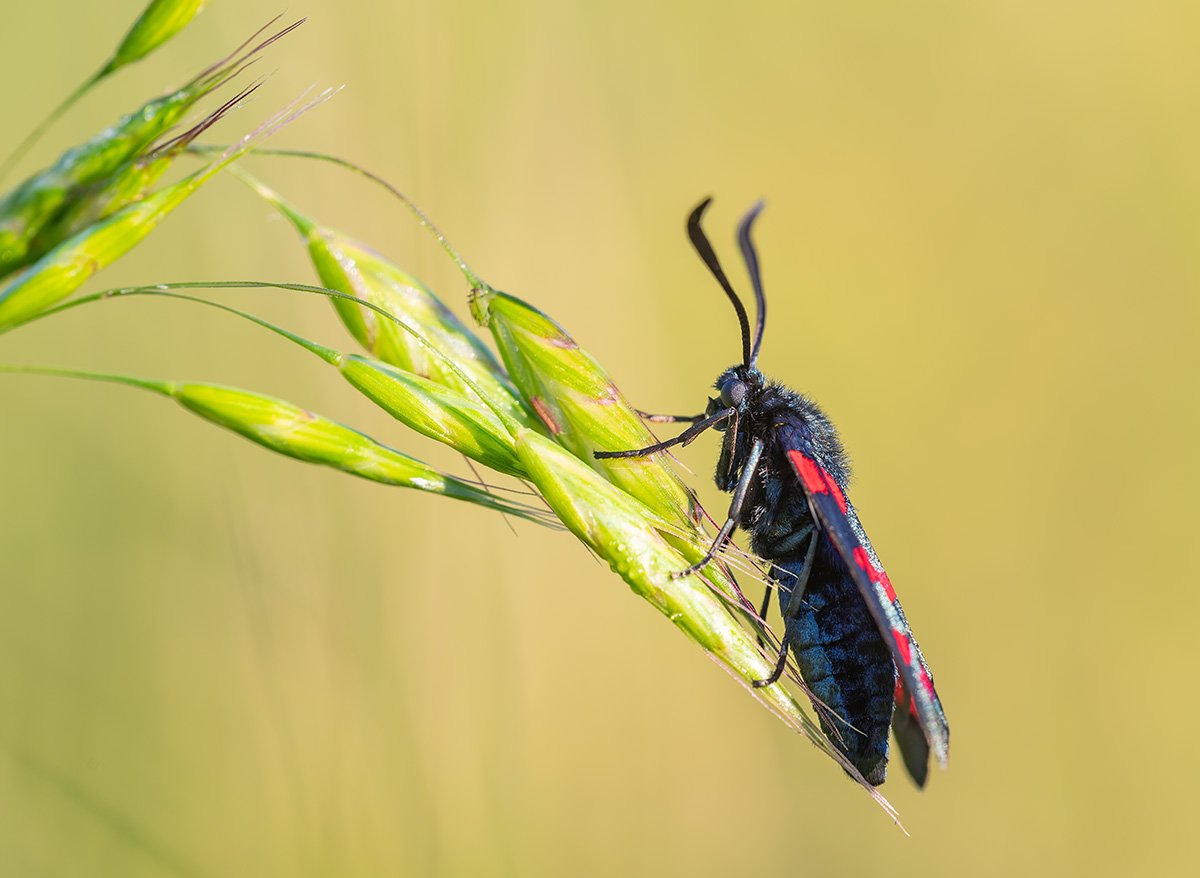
(738, 388)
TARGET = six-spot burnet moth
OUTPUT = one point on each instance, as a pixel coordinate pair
(783, 461)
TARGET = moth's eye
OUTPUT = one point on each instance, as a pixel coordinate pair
(733, 393)
(714, 406)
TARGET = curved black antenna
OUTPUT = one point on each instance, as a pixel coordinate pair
(750, 256)
(704, 248)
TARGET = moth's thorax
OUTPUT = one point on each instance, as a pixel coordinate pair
(779, 417)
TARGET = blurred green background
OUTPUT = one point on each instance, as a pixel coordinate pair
(981, 256)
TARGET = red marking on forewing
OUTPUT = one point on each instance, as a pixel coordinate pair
(899, 697)
(902, 644)
(816, 479)
(863, 560)
(811, 474)
(927, 682)
(836, 492)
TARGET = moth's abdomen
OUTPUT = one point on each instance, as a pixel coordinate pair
(843, 661)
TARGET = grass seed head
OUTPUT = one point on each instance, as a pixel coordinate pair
(436, 411)
(68, 266)
(463, 422)
(349, 267)
(40, 201)
(578, 402)
(131, 183)
(303, 435)
(159, 21)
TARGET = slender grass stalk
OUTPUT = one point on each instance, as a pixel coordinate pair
(372, 177)
(159, 21)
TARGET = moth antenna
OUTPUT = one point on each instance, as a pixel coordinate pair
(750, 256)
(704, 248)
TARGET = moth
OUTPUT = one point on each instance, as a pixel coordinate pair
(783, 462)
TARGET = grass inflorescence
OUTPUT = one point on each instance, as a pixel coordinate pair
(532, 412)
(157, 24)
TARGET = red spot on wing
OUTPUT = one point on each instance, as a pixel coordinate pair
(836, 492)
(811, 474)
(899, 696)
(902, 644)
(816, 479)
(863, 560)
(927, 683)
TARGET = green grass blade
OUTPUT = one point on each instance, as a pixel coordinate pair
(371, 176)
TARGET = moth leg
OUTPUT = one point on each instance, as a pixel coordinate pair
(735, 510)
(777, 671)
(682, 439)
(667, 419)
(779, 547)
(766, 606)
(762, 614)
(794, 597)
(797, 593)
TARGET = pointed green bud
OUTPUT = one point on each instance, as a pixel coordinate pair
(159, 21)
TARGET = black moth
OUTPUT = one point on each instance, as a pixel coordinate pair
(783, 461)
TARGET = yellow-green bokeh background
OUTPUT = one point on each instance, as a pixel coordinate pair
(981, 252)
